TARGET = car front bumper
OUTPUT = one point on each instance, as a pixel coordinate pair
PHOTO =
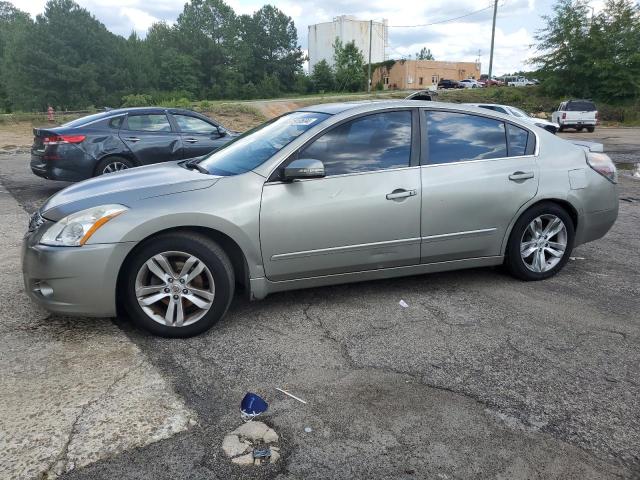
(74, 280)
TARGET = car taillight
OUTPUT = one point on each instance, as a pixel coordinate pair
(564, 115)
(602, 164)
(61, 139)
(597, 118)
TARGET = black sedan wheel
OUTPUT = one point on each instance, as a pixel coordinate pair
(112, 165)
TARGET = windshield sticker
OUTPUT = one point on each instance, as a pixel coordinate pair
(301, 121)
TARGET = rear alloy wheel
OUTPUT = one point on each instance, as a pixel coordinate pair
(113, 165)
(540, 243)
(179, 285)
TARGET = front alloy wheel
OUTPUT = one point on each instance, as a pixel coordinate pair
(175, 289)
(177, 284)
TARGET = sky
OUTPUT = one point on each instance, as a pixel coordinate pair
(461, 40)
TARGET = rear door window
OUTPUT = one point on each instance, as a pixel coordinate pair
(459, 137)
(153, 122)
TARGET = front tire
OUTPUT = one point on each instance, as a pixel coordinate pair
(540, 243)
(178, 285)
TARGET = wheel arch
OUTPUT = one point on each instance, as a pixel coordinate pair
(571, 210)
(228, 244)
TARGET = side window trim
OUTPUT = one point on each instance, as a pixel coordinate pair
(415, 143)
(531, 149)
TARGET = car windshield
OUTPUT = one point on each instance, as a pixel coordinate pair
(89, 118)
(518, 113)
(256, 146)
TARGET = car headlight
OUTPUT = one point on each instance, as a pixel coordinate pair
(74, 230)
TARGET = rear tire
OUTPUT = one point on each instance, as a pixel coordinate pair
(560, 128)
(178, 285)
(112, 165)
(540, 243)
(591, 129)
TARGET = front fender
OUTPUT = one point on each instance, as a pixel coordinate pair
(231, 207)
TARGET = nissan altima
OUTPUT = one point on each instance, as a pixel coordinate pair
(324, 195)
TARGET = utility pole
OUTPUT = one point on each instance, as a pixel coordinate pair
(493, 37)
(370, 39)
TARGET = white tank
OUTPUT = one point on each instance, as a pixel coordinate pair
(347, 29)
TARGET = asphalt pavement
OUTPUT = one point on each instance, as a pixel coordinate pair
(480, 376)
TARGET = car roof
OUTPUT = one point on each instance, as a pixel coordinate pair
(373, 105)
(121, 111)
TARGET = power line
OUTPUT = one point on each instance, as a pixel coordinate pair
(442, 21)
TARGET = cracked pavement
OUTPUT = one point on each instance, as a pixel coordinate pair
(481, 376)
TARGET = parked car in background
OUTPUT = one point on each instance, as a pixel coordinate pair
(449, 84)
(115, 140)
(578, 114)
(516, 112)
(484, 80)
(407, 188)
(518, 82)
(426, 95)
(470, 83)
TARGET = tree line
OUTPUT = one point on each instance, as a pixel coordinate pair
(589, 55)
(68, 59)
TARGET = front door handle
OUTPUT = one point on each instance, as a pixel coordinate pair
(191, 140)
(132, 139)
(515, 176)
(401, 193)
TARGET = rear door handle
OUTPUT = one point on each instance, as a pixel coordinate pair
(520, 176)
(401, 193)
(132, 139)
(191, 140)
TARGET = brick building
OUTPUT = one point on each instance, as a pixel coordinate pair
(419, 74)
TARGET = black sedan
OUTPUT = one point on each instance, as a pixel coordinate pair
(449, 84)
(118, 139)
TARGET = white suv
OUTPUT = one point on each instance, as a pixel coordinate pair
(578, 114)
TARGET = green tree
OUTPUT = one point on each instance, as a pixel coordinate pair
(564, 47)
(12, 21)
(322, 77)
(349, 69)
(425, 54)
(269, 46)
(615, 50)
(206, 32)
(591, 57)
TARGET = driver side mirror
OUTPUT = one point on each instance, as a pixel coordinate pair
(303, 168)
(221, 132)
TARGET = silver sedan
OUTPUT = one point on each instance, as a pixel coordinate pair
(324, 195)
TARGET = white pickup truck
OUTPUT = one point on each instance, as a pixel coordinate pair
(578, 114)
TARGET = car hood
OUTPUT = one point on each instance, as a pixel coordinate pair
(125, 187)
